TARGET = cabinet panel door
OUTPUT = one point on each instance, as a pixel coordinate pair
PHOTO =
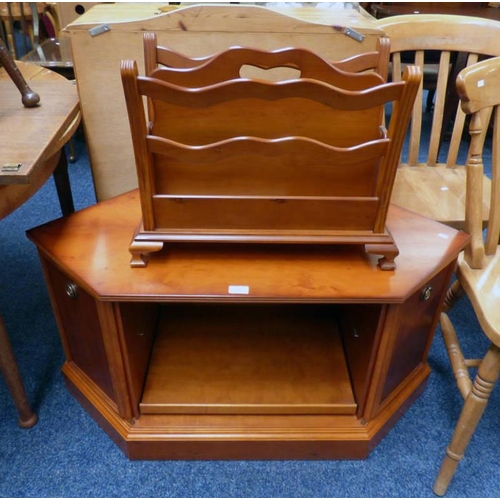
(80, 329)
(418, 319)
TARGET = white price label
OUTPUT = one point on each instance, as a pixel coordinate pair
(239, 289)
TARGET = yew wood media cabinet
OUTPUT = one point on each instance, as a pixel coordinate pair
(237, 351)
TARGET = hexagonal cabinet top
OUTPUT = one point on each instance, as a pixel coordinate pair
(91, 246)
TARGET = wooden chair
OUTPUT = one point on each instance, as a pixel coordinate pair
(427, 182)
(20, 23)
(244, 160)
(479, 265)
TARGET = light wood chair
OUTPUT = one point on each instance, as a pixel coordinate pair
(430, 181)
(478, 268)
(20, 23)
(246, 160)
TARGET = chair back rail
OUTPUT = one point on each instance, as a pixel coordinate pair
(447, 34)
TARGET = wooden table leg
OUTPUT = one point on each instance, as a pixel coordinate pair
(63, 186)
(10, 372)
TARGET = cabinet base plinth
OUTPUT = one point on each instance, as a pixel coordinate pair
(245, 437)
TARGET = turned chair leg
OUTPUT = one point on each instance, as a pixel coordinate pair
(454, 293)
(470, 416)
(10, 372)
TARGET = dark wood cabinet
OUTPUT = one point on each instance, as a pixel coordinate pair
(244, 351)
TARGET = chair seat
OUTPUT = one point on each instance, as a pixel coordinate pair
(483, 289)
(437, 192)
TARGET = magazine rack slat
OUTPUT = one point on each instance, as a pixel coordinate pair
(357, 72)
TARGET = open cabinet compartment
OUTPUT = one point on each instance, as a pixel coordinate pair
(248, 359)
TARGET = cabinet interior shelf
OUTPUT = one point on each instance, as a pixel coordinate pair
(281, 359)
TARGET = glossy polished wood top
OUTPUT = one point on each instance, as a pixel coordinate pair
(91, 246)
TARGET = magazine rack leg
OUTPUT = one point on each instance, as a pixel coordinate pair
(389, 253)
(140, 250)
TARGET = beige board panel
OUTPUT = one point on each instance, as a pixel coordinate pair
(68, 12)
(195, 31)
(224, 17)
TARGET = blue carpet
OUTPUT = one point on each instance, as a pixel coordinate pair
(67, 455)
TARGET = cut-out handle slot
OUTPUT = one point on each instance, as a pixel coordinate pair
(272, 74)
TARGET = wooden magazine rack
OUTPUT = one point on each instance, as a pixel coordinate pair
(306, 160)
